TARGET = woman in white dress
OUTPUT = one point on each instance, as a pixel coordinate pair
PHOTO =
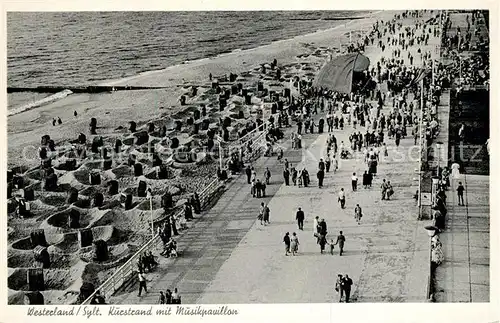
(294, 243)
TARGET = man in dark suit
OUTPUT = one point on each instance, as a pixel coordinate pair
(340, 241)
(321, 176)
(347, 287)
(300, 218)
(248, 171)
(286, 176)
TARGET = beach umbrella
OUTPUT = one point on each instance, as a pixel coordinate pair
(337, 74)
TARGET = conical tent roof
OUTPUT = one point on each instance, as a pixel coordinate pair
(337, 74)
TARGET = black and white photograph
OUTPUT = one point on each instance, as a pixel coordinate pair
(247, 157)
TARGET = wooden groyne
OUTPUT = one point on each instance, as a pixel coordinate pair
(79, 89)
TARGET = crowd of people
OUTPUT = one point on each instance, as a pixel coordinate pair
(398, 74)
(394, 76)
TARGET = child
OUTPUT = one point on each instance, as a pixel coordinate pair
(332, 246)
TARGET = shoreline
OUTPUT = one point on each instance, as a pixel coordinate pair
(28, 105)
(116, 109)
(116, 81)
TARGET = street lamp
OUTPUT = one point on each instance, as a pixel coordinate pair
(149, 195)
(219, 140)
(439, 145)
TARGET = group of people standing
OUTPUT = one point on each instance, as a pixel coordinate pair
(320, 231)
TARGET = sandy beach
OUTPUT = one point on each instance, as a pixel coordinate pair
(118, 108)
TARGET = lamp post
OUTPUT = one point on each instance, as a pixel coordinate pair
(149, 195)
(219, 140)
(439, 145)
(420, 126)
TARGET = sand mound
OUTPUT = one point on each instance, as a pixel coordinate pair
(25, 259)
(38, 206)
(122, 171)
(146, 205)
(22, 244)
(117, 253)
(83, 203)
(21, 260)
(71, 179)
(54, 199)
(104, 233)
(68, 243)
(50, 297)
(17, 280)
(53, 278)
(87, 218)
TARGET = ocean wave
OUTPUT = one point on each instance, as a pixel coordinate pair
(39, 103)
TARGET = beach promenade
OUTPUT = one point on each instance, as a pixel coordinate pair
(229, 257)
(464, 275)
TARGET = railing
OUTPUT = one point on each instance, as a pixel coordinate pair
(125, 272)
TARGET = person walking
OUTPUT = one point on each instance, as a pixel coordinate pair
(460, 193)
(265, 213)
(347, 287)
(142, 283)
(389, 191)
(321, 164)
(260, 217)
(267, 175)
(286, 176)
(322, 232)
(335, 165)
(322, 243)
(161, 298)
(354, 182)
(248, 171)
(339, 287)
(305, 177)
(321, 176)
(168, 297)
(323, 227)
(358, 213)
(342, 198)
(365, 180)
(332, 246)
(286, 240)
(300, 218)
(294, 243)
(294, 176)
(384, 187)
(340, 241)
(176, 297)
(316, 228)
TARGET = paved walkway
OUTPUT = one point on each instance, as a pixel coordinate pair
(229, 258)
(464, 275)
